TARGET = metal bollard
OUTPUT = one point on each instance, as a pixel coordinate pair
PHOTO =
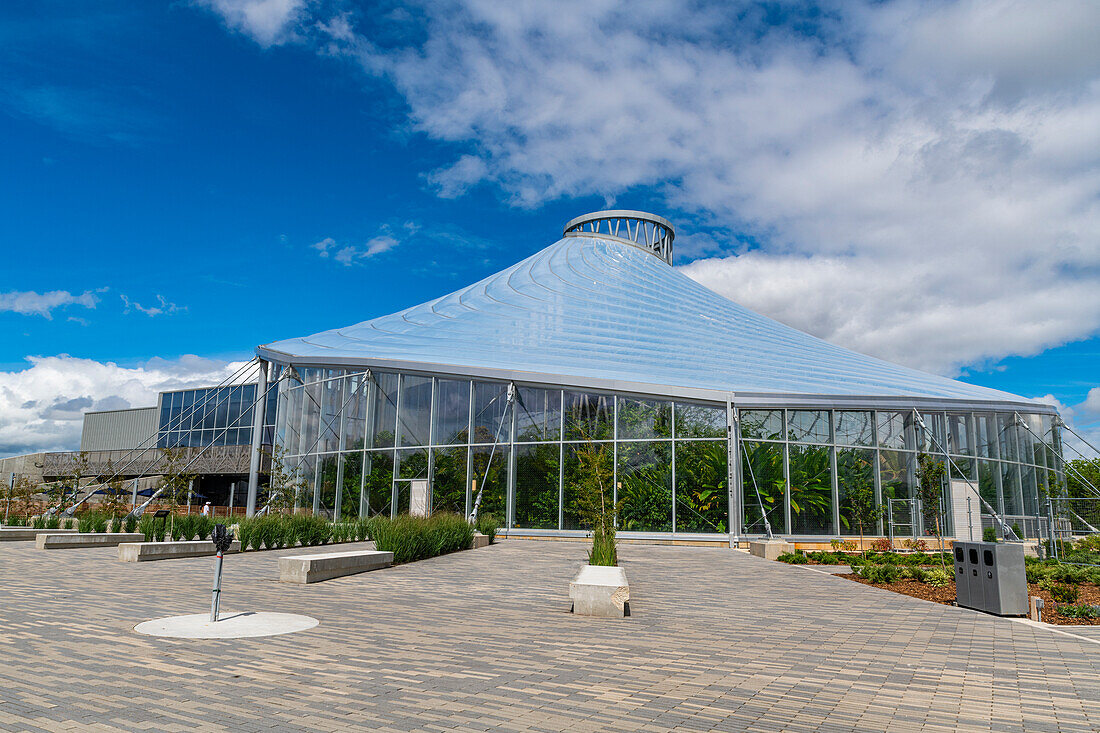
(222, 538)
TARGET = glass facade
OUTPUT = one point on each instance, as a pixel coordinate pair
(192, 418)
(358, 440)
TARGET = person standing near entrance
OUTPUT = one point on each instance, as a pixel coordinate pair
(206, 509)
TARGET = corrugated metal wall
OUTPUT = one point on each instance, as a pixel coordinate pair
(118, 429)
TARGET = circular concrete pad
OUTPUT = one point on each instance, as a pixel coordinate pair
(229, 625)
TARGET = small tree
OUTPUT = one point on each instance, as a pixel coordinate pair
(594, 500)
(862, 508)
(283, 484)
(930, 476)
(63, 492)
(175, 482)
(21, 499)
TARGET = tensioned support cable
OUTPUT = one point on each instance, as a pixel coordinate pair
(1006, 531)
(174, 423)
(1022, 423)
(512, 394)
(759, 501)
(1062, 423)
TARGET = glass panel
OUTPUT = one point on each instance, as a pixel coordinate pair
(351, 487)
(538, 416)
(495, 481)
(855, 473)
(808, 426)
(762, 471)
(449, 482)
(577, 475)
(854, 428)
(961, 467)
(414, 417)
(327, 478)
(490, 404)
(412, 463)
(588, 416)
(702, 491)
(385, 414)
(989, 481)
(380, 482)
(894, 430)
(644, 419)
(307, 467)
(452, 412)
(355, 415)
(960, 436)
(311, 418)
(985, 434)
(1010, 488)
(811, 489)
(897, 474)
(292, 418)
(645, 487)
(1029, 490)
(763, 424)
(934, 437)
(1007, 437)
(332, 397)
(700, 421)
(537, 477)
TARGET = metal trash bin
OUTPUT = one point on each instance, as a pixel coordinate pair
(1003, 578)
(962, 577)
(990, 577)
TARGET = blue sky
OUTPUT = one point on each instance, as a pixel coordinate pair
(185, 180)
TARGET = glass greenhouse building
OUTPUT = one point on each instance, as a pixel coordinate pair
(715, 418)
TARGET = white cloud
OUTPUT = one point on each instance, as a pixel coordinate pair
(163, 307)
(348, 254)
(44, 304)
(267, 22)
(41, 407)
(1091, 405)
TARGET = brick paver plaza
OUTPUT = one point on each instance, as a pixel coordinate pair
(483, 640)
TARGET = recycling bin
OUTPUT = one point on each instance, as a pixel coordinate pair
(1004, 578)
(962, 577)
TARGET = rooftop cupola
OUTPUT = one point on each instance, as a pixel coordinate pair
(646, 231)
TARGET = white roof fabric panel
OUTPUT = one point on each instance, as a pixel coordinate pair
(595, 308)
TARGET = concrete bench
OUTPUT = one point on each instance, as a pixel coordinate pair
(55, 541)
(600, 591)
(145, 551)
(326, 565)
(10, 534)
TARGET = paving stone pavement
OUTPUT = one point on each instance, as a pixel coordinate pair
(483, 640)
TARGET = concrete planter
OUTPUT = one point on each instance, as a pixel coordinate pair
(770, 549)
(480, 540)
(54, 541)
(146, 551)
(600, 591)
(326, 565)
(11, 534)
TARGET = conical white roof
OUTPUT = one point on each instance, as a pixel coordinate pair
(596, 310)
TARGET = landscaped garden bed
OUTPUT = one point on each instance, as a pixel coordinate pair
(1071, 592)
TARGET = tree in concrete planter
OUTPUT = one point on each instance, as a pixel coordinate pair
(930, 475)
(593, 499)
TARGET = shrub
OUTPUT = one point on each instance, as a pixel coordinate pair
(912, 544)
(1017, 530)
(204, 527)
(882, 545)
(989, 534)
(131, 523)
(418, 538)
(38, 522)
(914, 572)
(488, 525)
(145, 526)
(880, 573)
(1083, 610)
(603, 550)
(1064, 593)
(244, 533)
(794, 558)
(55, 522)
(938, 578)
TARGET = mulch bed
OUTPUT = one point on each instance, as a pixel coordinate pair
(1088, 594)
